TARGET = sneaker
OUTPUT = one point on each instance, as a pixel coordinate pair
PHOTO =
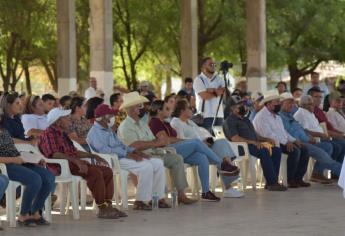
(232, 193)
(117, 211)
(106, 213)
(209, 196)
(228, 169)
(301, 183)
(320, 179)
(186, 201)
(276, 188)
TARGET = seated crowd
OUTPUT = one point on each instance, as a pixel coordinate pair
(149, 135)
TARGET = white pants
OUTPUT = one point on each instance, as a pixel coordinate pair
(151, 177)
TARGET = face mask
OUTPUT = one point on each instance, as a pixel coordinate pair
(242, 111)
(276, 108)
(142, 113)
(111, 122)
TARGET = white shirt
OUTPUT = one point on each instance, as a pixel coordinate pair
(271, 126)
(90, 93)
(308, 120)
(201, 84)
(336, 119)
(189, 130)
(32, 121)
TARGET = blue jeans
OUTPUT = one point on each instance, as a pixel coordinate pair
(3, 185)
(208, 123)
(195, 152)
(269, 163)
(38, 182)
(297, 162)
(321, 153)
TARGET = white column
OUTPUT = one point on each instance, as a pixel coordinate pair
(256, 45)
(101, 44)
(66, 55)
(189, 38)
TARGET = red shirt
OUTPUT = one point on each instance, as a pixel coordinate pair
(55, 140)
(156, 125)
(321, 116)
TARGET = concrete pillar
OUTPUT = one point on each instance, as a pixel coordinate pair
(189, 38)
(66, 54)
(101, 44)
(256, 45)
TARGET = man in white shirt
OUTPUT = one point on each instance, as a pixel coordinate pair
(269, 124)
(335, 114)
(310, 123)
(209, 87)
(91, 91)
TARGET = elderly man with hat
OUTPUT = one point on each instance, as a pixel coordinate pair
(319, 150)
(335, 113)
(137, 134)
(55, 143)
(270, 125)
(150, 171)
(238, 128)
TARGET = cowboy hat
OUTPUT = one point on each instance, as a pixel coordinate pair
(132, 99)
(286, 96)
(269, 96)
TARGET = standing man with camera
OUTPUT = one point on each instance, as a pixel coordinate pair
(209, 88)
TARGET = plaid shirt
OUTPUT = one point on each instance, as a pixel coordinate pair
(55, 140)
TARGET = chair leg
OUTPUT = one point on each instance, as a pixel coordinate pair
(83, 194)
(74, 199)
(48, 209)
(124, 194)
(252, 167)
(11, 204)
(243, 173)
(116, 190)
(63, 198)
(213, 178)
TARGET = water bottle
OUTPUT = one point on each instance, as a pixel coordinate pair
(174, 201)
(155, 200)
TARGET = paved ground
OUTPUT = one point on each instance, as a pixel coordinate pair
(319, 210)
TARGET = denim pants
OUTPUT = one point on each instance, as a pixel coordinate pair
(340, 144)
(195, 152)
(223, 149)
(208, 123)
(38, 182)
(297, 162)
(3, 185)
(269, 163)
(321, 153)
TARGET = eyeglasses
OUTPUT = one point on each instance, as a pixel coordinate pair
(212, 65)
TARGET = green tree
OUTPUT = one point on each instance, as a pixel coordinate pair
(302, 34)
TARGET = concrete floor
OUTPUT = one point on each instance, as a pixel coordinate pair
(319, 211)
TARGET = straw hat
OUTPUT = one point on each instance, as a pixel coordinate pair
(269, 96)
(132, 99)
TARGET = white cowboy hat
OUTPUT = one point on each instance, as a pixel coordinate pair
(286, 96)
(55, 114)
(132, 99)
(269, 96)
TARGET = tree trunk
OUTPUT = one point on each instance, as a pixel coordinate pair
(295, 74)
(27, 78)
(168, 82)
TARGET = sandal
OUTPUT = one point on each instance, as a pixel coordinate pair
(27, 223)
(42, 222)
(141, 206)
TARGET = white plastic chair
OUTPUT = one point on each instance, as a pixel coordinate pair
(242, 161)
(66, 179)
